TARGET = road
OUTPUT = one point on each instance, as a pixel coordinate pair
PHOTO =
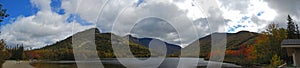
(14, 64)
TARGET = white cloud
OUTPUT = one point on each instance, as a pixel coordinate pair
(42, 4)
(254, 15)
(285, 8)
(47, 27)
(162, 8)
(44, 28)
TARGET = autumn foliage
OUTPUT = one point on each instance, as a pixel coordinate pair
(246, 52)
(243, 54)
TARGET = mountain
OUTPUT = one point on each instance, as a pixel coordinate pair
(62, 50)
(171, 48)
(234, 41)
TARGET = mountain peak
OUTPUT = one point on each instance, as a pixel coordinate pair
(244, 31)
(87, 30)
(96, 30)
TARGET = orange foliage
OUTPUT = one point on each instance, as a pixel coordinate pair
(262, 38)
(244, 51)
(233, 52)
(250, 53)
(247, 52)
(33, 54)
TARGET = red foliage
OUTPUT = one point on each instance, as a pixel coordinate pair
(250, 53)
(33, 54)
(244, 51)
(247, 52)
(233, 52)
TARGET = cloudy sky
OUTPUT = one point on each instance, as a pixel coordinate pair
(36, 23)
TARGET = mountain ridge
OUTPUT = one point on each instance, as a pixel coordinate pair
(139, 46)
(171, 48)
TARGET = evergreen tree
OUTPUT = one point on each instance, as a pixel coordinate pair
(4, 54)
(17, 52)
(3, 13)
(298, 32)
(291, 29)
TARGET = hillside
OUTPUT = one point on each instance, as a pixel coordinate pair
(62, 50)
(171, 48)
(234, 42)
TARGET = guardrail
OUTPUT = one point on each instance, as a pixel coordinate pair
(282, 66)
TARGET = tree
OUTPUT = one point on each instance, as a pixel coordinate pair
(4, 54)
(3, 13)
(17, 52)
(291, 29)
(269, 43)
(276, 61)
(262, 48)
(250, 53)
(298, 32)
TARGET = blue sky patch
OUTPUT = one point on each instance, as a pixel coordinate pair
(77, 18)
(245, 18)
(56, 7)
(16, 8)
(260, 13)
(233, 28)
(139, 3)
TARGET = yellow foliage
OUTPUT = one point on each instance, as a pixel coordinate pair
(276, 61)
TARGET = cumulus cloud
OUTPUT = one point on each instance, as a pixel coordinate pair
(251, 15)
(128, 13)
(43, 5)
(241, 5)
(180, 28)
(157, 20)
(43, 28)
(166, 20)
(285, 8)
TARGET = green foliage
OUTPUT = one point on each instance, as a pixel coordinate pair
(268, 44)
(292, 29)
(297, 32)
(17, 53)
(3, 13)
(260, 48)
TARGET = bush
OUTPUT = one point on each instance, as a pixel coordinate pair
(276, 61)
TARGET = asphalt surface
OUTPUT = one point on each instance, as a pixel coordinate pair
(16, 64)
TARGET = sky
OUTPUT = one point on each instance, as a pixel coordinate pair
(37, 23)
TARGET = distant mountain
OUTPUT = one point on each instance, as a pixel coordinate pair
(234, 41)
(63, 48)
(171, 48)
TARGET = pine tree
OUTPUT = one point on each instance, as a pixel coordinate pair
(3, 13)
(298, 32)
(291, 28)
(4, 54)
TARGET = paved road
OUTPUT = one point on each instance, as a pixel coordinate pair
(14, 64)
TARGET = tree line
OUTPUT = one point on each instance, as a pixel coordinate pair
(266, 49)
